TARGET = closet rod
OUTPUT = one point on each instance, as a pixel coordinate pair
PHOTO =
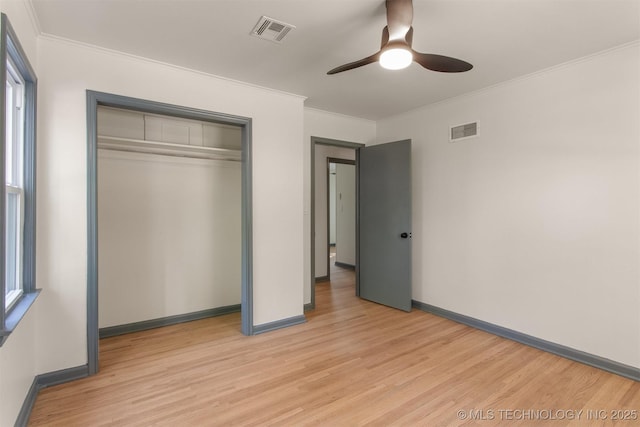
(169, 154)
(167, 149)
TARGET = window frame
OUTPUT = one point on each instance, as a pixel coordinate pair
(11, 50)
(19, 242)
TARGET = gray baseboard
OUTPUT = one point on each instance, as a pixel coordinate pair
(47, 380)
(27, 405)
(548, 346)
(322, 279)
(62, 376)
(144, 325)
(279, 324)
(343, 265)
(310, 306)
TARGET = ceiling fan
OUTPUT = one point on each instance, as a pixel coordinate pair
(396, 52)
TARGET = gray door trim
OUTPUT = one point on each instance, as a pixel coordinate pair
(106, 99)
(316, 140)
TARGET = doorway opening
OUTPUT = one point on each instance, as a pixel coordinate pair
(323, 149)
(155, 109)
(341, 204)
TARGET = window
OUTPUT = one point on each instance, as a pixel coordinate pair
(17, 165)
(14, 190)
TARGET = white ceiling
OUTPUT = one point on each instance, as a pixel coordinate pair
(503, 39)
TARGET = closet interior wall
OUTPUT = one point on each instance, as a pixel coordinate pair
(169, 216)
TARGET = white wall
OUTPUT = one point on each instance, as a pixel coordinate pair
(346, 214)
(18, 354)
(169, 236)
(62, 237)
(533, 225)
(333, 126)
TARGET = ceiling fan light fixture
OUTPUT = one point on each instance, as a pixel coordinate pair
(396, 58)
(396, 53)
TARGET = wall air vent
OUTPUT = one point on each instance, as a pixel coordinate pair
(460, 132)
(271, 29)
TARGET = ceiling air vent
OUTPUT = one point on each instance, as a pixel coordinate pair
(460, 132)
(271, 29)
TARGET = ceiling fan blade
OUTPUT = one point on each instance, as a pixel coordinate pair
(399, 18)
(351, 65)
(444, 64)
(385, 37)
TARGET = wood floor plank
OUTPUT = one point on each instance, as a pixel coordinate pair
(353, 363)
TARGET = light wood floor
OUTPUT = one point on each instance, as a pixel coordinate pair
(352, 363)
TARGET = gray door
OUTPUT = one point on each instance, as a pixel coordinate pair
(384, 224)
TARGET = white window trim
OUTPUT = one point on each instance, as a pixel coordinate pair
(17, 126)
(13, 297)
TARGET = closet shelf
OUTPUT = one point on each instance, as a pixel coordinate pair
(168, 149)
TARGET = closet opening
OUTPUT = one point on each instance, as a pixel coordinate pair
(169, 217)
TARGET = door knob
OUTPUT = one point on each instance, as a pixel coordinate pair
(405, 235)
